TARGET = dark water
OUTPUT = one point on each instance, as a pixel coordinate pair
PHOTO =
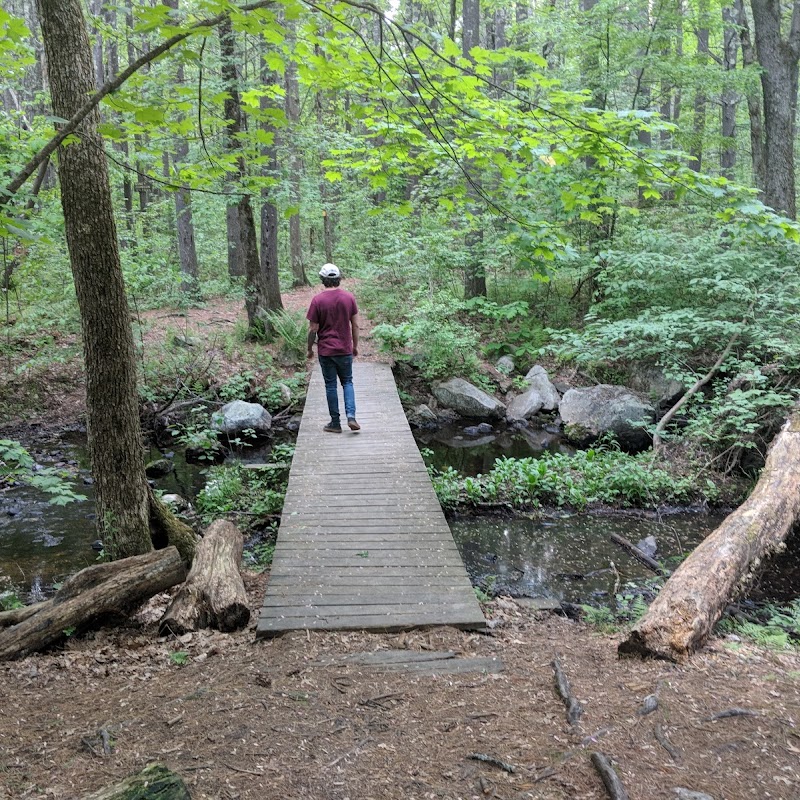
(570, 558)
(42, 543)
(473, 453)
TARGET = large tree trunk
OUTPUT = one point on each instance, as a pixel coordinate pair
(699, 122)
(213, 595)
(778, 57)
(111, 400)
(91, 594)
(693, 599)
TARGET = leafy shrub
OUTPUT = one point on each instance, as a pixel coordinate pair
(17, 466)
(594, 476)
(292, 329)
(774, 627)
(443, 345)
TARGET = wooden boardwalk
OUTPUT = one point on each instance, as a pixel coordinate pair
(363, 543)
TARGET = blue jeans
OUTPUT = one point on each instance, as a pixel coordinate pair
(340, 367)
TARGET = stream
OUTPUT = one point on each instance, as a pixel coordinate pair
(565, 557)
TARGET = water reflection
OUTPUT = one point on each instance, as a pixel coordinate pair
(570, 558)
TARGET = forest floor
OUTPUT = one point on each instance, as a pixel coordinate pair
(239, 718)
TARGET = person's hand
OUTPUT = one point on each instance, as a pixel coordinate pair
(355, 352)
(310, 353)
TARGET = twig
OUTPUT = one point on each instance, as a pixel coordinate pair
(350, 752)
(242, 769)
(732, 712)
(614, 787)
(105, 738)
(664, 741)
(495, 762)
(574, 708)
(640, 555)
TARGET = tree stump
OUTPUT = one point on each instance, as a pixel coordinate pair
(89, 595)
(693, 599)
(154, 782)
(213, 595)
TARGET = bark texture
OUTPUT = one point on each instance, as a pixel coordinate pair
(91, 594)
(692, 600)
(753, 99)
(778, 56)
(213, 595)
(111, 398)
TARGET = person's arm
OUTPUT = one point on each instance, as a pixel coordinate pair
(354, 328)
(313, 327)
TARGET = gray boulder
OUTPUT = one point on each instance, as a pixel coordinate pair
(591, 412)
(468, 400)
(538, 379)
(422, 416)
(664, 392)
(525, 405)
(506, 365)
(238, 416)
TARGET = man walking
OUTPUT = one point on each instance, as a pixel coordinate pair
(333, 318)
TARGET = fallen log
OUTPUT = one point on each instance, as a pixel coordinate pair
(614, 787)
(213, 595)
(15, 615)
(91, 594)
(573, 707)
(154, 782)
(693, 599)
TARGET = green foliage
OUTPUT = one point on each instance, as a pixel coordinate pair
(773, 626)
(272, 398)
(594, 476)
(434, 337)
(292, 330)
(259, 557)
(18, 466)
(237, 386)
(196, 433)
(9, 601)
(255, 494)
(674, 302)
(629, 606)
(179, 658)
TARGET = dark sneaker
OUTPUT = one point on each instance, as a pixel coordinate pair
(352, 424)
(332, 427)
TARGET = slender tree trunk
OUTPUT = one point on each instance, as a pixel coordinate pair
(700, 99)
(730, 97)
(269, 210)
(111, 400)
(295, 167)
(778, 56)
(749, 61)
(474, 274)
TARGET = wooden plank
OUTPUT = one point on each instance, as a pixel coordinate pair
(278, 583)
(388, 624)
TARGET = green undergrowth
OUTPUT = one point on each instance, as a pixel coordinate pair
(590, 477)
(775, 627)
(251, 497)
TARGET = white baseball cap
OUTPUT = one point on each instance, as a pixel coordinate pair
(330, 271)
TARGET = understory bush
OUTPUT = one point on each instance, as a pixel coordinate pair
(594, 476)
(678, 303)
(254, 496)
(434, 337)
(773, 626)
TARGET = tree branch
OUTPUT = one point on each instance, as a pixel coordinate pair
(74, 122)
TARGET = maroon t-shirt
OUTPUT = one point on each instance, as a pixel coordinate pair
(332, 310)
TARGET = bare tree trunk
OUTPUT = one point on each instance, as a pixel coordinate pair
(111, 399)
(474, 274)
(187, 252)
(700, 99)
(730, 97)
(295, 167)
(749, 61)
(693, 599)
(779, 58)
(269, 210)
